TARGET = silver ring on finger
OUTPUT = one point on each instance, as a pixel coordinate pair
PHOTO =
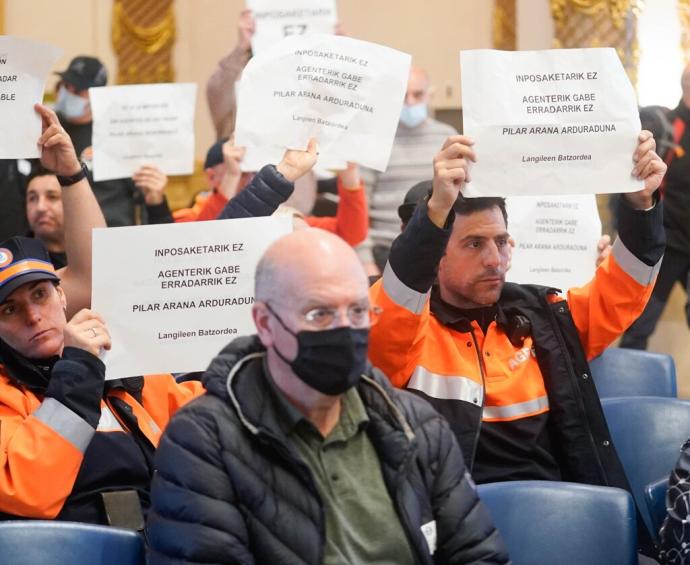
(93, 331)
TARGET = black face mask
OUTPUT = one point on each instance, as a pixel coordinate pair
(330, 361)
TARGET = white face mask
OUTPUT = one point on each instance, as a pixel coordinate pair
(70, 105)
(413, 115)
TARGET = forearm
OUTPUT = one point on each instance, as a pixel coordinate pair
(220, 90)
(261, 197)
(605, 307)
(352, 216)
(417, 251)
(159, 213)
(642, 231)
(82, 214)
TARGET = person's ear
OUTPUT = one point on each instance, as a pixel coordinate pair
(63, 298)
(262, 322)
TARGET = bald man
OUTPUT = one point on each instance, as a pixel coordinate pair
(300, 452)
(417, 140)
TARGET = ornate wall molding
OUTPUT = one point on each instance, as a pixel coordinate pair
(143, 35)
(504, 24)
(599, 23)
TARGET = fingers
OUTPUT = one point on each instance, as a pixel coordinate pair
(234, 152)
(456, 150)
(645, 143)
(313, 146)
(604, 241)
(150, 177)
(51, 135)
(654, 166)
(48, 116)
(461, 139)
(87, 330)
(86, 314)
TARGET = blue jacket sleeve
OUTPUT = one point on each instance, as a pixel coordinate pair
(417, 251)
(261, 197)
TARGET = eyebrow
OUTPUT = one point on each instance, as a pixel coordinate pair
(476, 236)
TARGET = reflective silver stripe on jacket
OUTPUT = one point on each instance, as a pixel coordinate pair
(514, 411)
(446, 387)
(66, 423)
(402, 295)
(641, 272)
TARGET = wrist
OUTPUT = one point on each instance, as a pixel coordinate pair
(438, 212)
(350, 182)
(153, 199)
(639, 201)
(289, 172)
(72, 175)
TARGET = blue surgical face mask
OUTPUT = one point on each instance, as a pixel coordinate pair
(70, 105)
(413, 115)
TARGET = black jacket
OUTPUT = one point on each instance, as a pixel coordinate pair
(229, 487)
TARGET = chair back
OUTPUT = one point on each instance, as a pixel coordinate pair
(30, 542)
(655, 497)
(648, 433)
(547, 522)
(631, 372)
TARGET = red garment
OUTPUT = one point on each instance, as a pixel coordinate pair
(351, 221)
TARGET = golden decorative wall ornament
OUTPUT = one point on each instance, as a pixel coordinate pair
(684, 16)
(505, 25)
(617, 10)
(599, 23)
(143, 35)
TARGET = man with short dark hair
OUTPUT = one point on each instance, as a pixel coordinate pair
(507, 363)
(301, 452)
(45, 214)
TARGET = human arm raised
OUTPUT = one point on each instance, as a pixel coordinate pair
(271, 186)
(220, 88)
(81, 210)
(623, 283)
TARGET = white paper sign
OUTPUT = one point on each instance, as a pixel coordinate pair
(562, 121)
(143, 124)
(24, 65)
(555, 239)
(173, 295)
(344, 92)
(276, 19)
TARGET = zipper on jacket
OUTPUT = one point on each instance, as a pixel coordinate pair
(482, 372)
(573, 385)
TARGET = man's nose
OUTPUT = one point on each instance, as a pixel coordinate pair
(41, 204)
(341, 319)
(492, 255)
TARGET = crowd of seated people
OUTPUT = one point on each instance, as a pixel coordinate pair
(355, 423)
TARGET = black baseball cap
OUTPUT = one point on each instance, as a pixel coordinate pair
(413, 197)
(23, 260)
(214, 156)
(84, 72)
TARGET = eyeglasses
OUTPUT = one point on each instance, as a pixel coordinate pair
(360, 316)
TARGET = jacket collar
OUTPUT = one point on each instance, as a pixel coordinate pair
(456, 318)
(242, 386)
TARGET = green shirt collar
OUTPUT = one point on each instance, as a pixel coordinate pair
(353, 414)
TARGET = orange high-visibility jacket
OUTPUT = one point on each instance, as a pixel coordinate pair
(46, 448)
(471, 377)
